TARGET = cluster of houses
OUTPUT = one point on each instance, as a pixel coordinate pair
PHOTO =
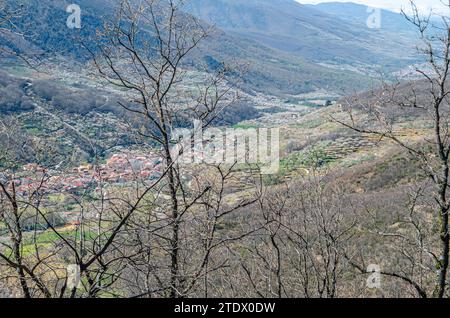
(119, 169)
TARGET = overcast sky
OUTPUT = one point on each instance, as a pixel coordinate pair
(394, 5)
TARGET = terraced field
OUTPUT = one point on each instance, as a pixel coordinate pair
(345, 146)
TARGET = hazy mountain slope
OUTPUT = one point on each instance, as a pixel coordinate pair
(304, 31)
(275, 72)
(268, 70)
(358, 14)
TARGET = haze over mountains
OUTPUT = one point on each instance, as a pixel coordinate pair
(139, 160)
(328, 33)
(358, 14)
(288, 48)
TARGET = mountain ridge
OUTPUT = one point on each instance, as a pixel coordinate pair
(305, 31)
(269, 69)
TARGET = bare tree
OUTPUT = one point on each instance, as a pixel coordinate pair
(299, 252)
(430, 99)
(10, 14)
(7, 16)
(144, 52)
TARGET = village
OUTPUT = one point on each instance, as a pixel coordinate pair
(119, 169)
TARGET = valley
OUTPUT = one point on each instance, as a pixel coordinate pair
(97, 201)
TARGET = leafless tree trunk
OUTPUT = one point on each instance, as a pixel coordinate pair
(433, 103)
(144, 52)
